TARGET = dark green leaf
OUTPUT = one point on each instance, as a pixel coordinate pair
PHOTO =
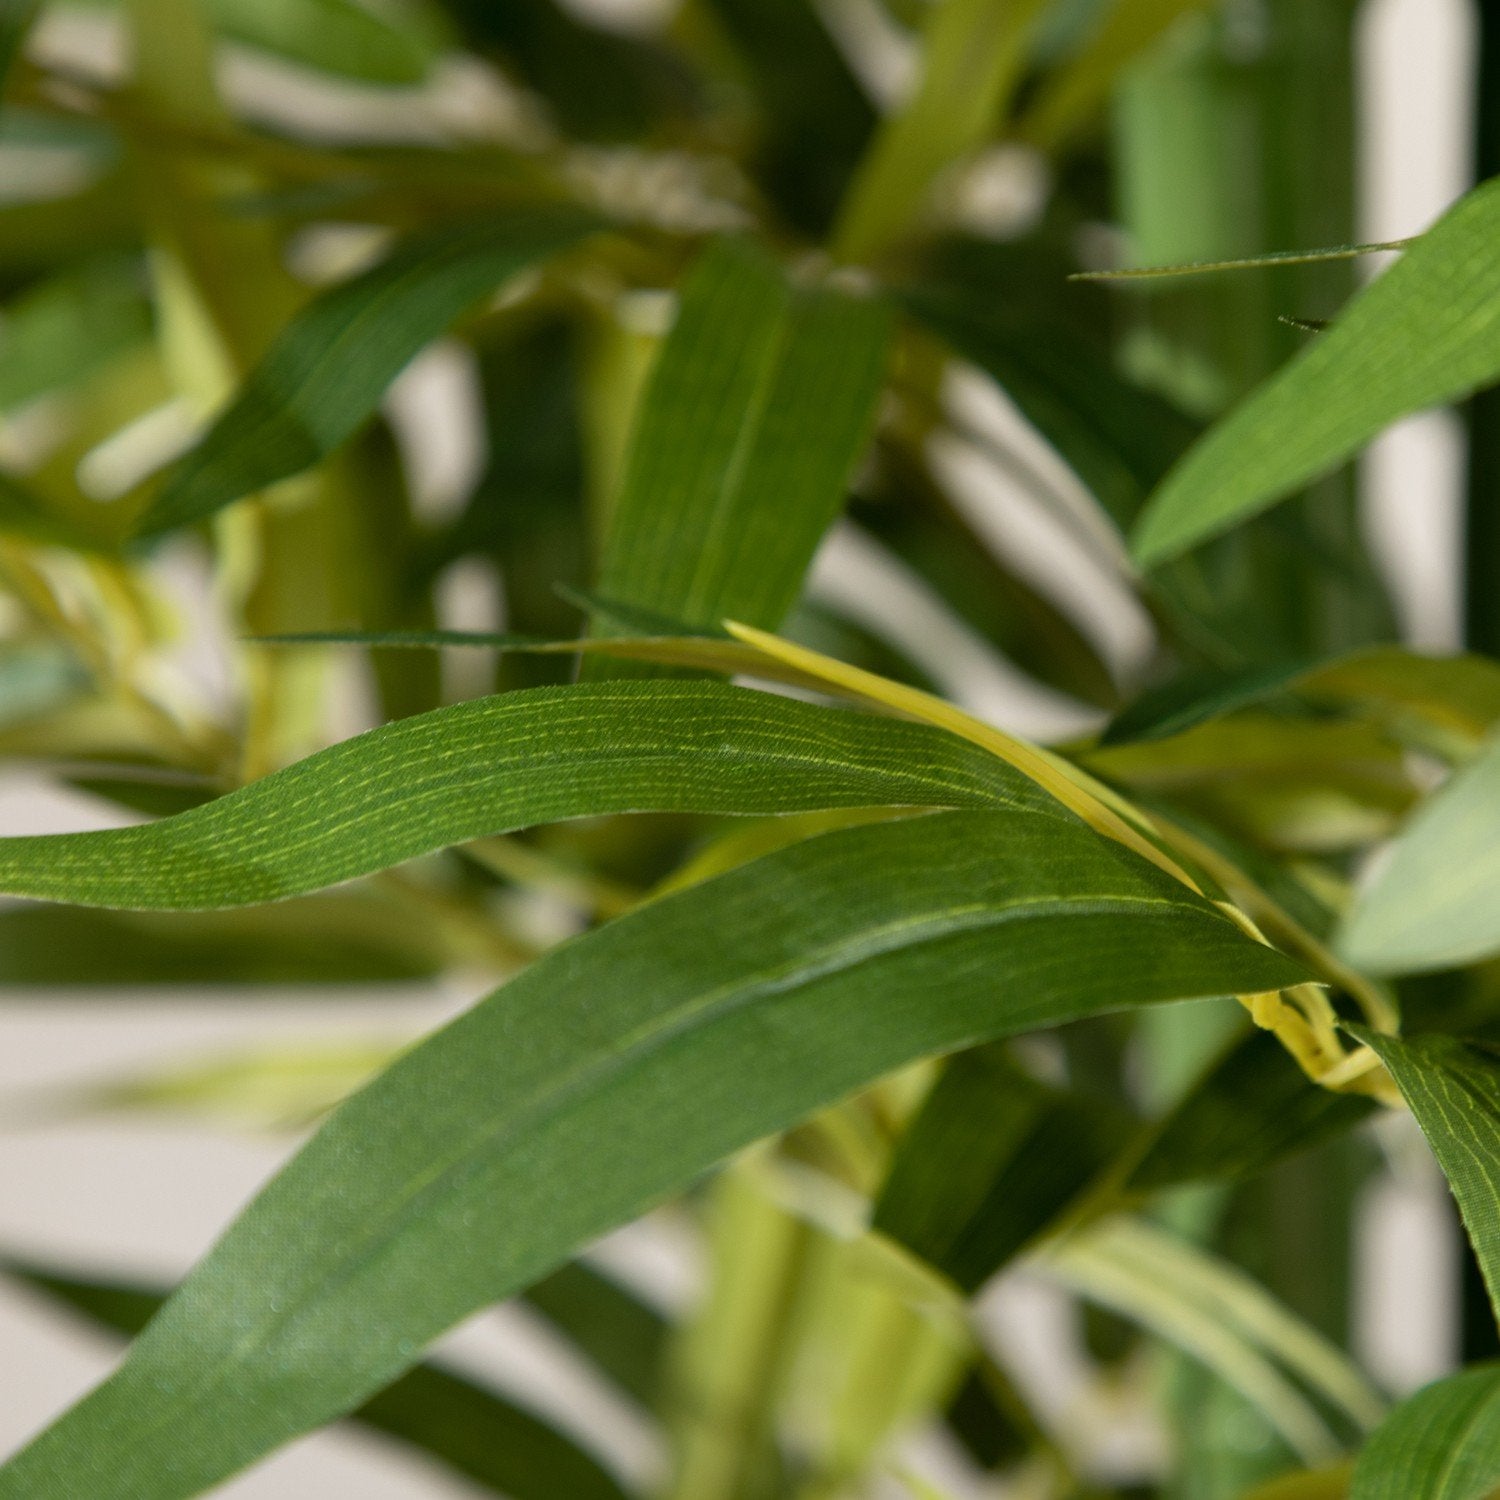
(1196, 698)
(613, 1072)
(1441, 1444)
(1250, 1109)
(326, 372)
(470, 1430)
(1453, 1088)
(758, 409)
(991, 1160)
(502, 763)
(1426, 332)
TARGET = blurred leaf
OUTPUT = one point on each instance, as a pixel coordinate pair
(502, 763)
(318, 940)
(16, 17)
(1195, 698)
(328, 369)
(1213, 1311)
(1079, 90)
(1248, 263)
(1320, 1484)
(760, 404)
(466, 1428)
(333, 36)
(1441, 1444)
(1435, 902)
(816, 119)
(59, 332)
(1453, 1088)
(598, 83)
(972, 56)
(1427, 332)
(614, 1071)
(988, 1164)
(1251, 1107)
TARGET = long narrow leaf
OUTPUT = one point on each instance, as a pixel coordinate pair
(613, 1072)
(1441, 1444)
(1426, 332)
(760, 405)
(325, 374)
(497, 764)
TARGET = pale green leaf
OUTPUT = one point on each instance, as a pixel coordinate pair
(1427, 332)
(507, 762)
(613, 1072)
(1441, 1444)
(333, 36)
(328, 369)
(1436, 901)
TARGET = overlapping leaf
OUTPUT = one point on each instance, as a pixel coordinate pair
(1426, 332)
(610, 1074)
(326, 372)
(495, 764)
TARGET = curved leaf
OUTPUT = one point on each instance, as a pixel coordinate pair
(326, 372)
(614, 1072)
(1441, 1444)
(1427, 332)
(495, 764)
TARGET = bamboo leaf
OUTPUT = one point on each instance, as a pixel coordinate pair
(990, 1161)
(613, 1072)
(497, 764)
(1244, 263)
(469, 1430)
(760, 404)
(327, 371)
(1427, 332)
(334, 36)
(1453, 1088)
(16, 17)
(1441, 1444)
(1436, 902)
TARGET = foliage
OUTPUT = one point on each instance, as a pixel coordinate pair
(774, 356)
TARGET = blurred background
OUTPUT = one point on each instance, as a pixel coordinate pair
(142, 1194)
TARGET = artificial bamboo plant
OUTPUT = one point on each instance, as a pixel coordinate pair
(873, 997)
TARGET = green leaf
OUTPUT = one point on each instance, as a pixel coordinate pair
(497, 764)
(973, 54)
(328, 369)
(1441, 1444)
(1251, 1108)
(333, 36)
(334, 940)
(1427, 332)
(16, 17)
(1436, 901)
(1195, 698)
(1453, 1088)
(613, 1072)
(990, 1161)
(469, 1430)
(759, 407)
(59, 332)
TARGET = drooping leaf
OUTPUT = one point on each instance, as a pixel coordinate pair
(1427, 332)
(1436, 901)
(1252, 1107)
(1441, 1444)
(326, 372)
(469, 1430)
(496, 764)
(991, 1160)
(613, 1072)
(1453, 1088)
(758, 409)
